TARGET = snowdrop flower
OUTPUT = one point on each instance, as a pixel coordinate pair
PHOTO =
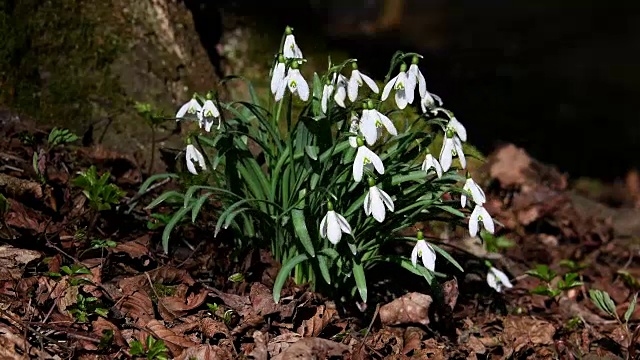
(425, 251)
(458, 128)
(451, 147)
(372, 120)
(333, 225)
(194, 155)
(353, 128)
(415, 77)
(208, 114)
(399, 84)
(428, 102)
(498, 280)
(296, 84)
(470, 187)
(290, 48)
(191, 109)
(376, 201)
(480, 214)
(341, 90)
(364, 156)
(356, 80)
(327, 90)
(278, 75)
(431, 162)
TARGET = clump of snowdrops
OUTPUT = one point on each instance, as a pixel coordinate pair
(341, 170)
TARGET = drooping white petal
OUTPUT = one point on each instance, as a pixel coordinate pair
(366, 156)
(412, 78)
(402, 99)
(457, 146)
(368, 126)
(190, 109)
(344, 225)
(327, 90)
(376, 206)
(194, 156)
(431, 162)
(476, 192)
(487, 221)
(277, 77)
(341, 90)
(281, 88)
(370, 82)
(297, 84)
(429, 101)
(358, 165)
(386, 122)
(387, 200)
(458, 128)
(422, 85)
(492, 281)
(498, 280)
(290, 49)
(426, 252)
(334, 232)
(388, 87)
(446, 156)
(473, 221)
(354, 85)
(323, 226)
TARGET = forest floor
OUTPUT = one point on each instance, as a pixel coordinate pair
(77, 286)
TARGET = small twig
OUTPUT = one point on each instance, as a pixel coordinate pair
(375, 315)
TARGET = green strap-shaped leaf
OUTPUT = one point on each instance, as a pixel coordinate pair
(177, 216)
(283, 274)
(361, 281)
(446, 255)
(324, 268)
(631, 309)
(164, 197)
(300, 227)
(198, 205)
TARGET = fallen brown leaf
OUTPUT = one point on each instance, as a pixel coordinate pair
(172, 307)
(100, 325)
(174, 342)
(314, 326)
(262, 299)
(282, 342)
(259, 351)
(313, 348)
(14, 260)
(13, 346)
(510, 166)
(205, 352)
(411, 308)
(135, 248)
(522, 332)
(212, 328)
(412, 339)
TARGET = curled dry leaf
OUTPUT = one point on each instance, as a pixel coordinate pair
(214, 329)
(135, 249)
(172, 307)
(20, 217)
(314, 326)
(522, 332)
(137, 306)
(313, 348)
(205, 352)
(100, 325)
(174, 342)
(262, 299)
(412, 339)
(170, 275)
(389, 338)
(282, 342)
(15, 346)
(14, 260)
(412, 308)
(510, 165)
(259, 351)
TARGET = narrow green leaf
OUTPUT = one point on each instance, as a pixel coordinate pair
(164, 197)
(198, 205)
(300, 227)
(361, 281)
(446, 255)
(631, 309)
(312, 151)
(283, 274)
(153, 178)
(324, 268)
(177, 216)
(451, 210)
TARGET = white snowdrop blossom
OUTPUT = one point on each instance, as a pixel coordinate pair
(208, 115)
(480, 215)
(278, 75)
(399, 84)
(355, 82)
(429, 102)
(194, 156)
(451, 147)
(431, 162)
(353, 128)
(333, 225)
(415, 77)
(364, 156)
(327, 90)
(290, 49)
(190, 109)
(498, 280)
(425, 251)
(376, 202)
(296, 84)
(341, 90)
(470, 187)
(371, 121)
(458, 128)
